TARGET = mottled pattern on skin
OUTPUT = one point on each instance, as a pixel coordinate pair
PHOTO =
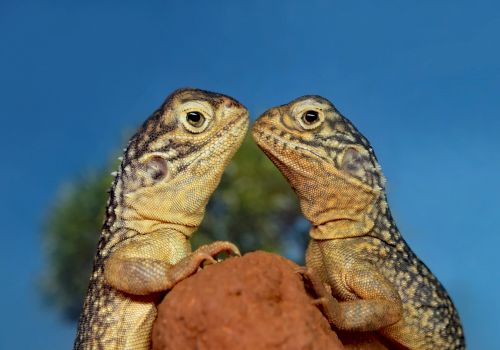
(378, 284)
(168, 171)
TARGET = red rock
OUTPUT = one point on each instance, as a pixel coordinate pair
(252, 302)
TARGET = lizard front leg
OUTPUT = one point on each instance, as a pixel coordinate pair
(378, 306)
(156, 262)
(190, 264)
(374, 303)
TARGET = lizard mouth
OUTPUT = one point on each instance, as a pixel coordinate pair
(222, 142)
(282, 150)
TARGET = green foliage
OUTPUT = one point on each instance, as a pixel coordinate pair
(253, 207)
(71, 233)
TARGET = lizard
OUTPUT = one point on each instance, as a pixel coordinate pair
(369, 278)
(158, 197)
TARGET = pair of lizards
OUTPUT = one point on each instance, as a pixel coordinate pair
(365, 276)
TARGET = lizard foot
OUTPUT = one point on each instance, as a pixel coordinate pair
(188, 266)
(321, 292)
(204, 255)
(216, 248)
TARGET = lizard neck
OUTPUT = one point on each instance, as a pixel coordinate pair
(376, 221)
(384, 227)
(122, 222)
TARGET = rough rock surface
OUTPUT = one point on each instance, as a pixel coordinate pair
(252, 302)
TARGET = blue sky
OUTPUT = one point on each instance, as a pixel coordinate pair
(419, 78)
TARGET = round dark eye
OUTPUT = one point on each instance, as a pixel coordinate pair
(194, 118)
(310, 117)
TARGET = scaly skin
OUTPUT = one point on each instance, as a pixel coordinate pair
(379, 286)
(168, 172)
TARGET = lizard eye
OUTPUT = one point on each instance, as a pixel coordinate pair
(311, 119)
(195, 121)
(156, 167)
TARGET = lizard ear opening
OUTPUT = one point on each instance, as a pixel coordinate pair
(156, 167)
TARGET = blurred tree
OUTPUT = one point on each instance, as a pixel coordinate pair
(253, 207)
(71, 232)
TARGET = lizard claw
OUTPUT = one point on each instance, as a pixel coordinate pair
(188, 266)
(320, 292)
(206, 259)
(310, 277)
(203, 256)
(321, 301)
(215, 248)
(304, 271)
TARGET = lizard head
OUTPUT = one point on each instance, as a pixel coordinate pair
(326, 160)
(175, 161)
